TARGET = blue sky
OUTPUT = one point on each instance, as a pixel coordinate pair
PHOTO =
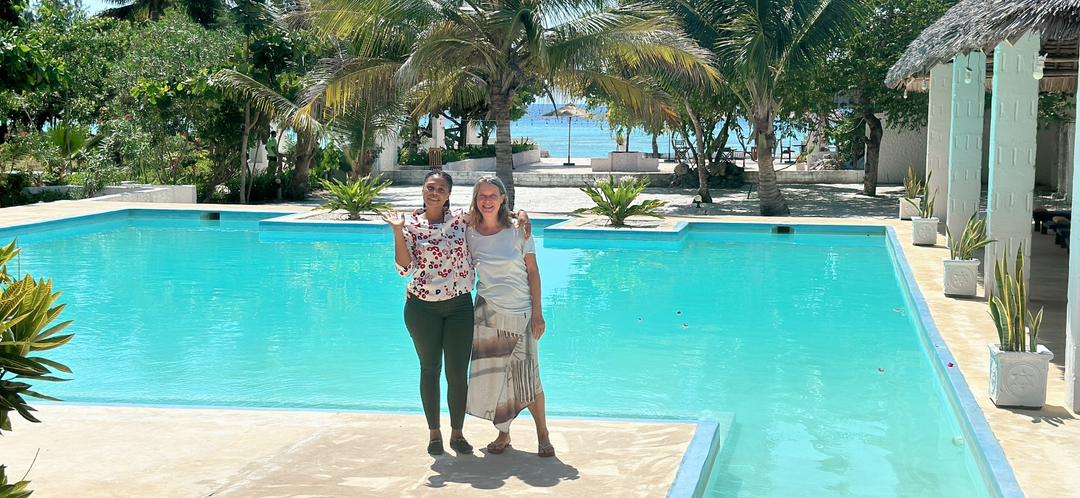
(93, 6)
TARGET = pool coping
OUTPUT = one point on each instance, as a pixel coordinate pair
(991, 458)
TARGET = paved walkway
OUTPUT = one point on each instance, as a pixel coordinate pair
(96, 451)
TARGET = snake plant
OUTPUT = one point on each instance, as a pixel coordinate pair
(973, 239)
(1009, 307)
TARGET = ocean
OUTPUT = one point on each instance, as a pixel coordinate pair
(594, 137)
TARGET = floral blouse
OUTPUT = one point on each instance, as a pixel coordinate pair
(441, 267)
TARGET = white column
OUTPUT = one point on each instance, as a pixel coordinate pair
(472, 133)
(965, 139)
(1072, 306)
(438, 133)
(937, 137)
(1015, 108)
(390, 145)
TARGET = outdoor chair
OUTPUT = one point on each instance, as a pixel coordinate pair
(1042, 217)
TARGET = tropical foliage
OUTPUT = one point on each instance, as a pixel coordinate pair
(968, 243)
(764, 47)
(490, 51)
(615, 200)
(356, 196)
(1017, 326)
(27, 311)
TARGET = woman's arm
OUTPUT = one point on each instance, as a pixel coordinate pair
(402, 255)
(538, 323)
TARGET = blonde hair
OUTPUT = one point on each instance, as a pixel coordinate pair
(504, 211)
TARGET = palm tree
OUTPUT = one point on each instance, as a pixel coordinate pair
(762, 43)
(501, 47)
(265, 103)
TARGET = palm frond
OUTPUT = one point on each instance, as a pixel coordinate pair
(266, 100)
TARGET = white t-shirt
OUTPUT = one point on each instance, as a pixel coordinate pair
(499, 260)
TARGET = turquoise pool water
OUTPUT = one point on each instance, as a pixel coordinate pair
(807, 339)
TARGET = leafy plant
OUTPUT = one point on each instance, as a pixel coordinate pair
(355, 196)
(26, 312)
(1009, 306)
(614, 200)
(19, 489)
(926, 205)
(913, 186)
(973, 239)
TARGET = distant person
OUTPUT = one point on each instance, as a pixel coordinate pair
(272, 161)
(272, 151)
(509, 320)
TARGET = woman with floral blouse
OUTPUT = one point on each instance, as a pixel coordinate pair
(430, 246)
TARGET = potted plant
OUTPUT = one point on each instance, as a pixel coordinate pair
(962, 269)
(913, 192)
(356, 196)
(615, 200)
(1018, 363)
(924, 225)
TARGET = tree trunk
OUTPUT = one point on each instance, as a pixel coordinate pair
(504, 152)
(721, 141)
(244, 153)
(305, 155)
(699, 156)
(655, 146)
(873, 152)
(772, 200)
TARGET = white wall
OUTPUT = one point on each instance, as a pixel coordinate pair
(901, 149)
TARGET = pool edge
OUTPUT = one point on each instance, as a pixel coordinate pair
(1001, 480)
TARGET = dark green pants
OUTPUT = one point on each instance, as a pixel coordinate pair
(442, 329)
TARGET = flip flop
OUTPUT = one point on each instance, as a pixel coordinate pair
(545, 451)
(435, 447)
(496, 449)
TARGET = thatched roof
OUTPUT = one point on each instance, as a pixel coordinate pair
(982, 24)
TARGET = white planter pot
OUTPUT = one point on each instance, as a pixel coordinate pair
(961, 277)
(924, 231)
(1019, 379)
(909, 210)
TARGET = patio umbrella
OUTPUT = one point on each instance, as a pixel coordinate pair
(570, 111)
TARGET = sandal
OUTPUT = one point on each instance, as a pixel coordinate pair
(460, 445)
(545, 451)
(495, 448)
(435, 447)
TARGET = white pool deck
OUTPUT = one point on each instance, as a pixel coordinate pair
(123, 451)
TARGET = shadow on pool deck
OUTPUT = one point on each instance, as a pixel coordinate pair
(486, 471)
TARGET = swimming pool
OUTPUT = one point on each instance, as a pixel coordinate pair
(810, 339)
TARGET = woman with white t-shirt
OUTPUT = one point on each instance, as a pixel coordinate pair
(505, 372)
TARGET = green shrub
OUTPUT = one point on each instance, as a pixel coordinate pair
(615, 200)
(355, 197)
(452, 155)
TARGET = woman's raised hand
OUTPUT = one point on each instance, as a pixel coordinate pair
(395, 219)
